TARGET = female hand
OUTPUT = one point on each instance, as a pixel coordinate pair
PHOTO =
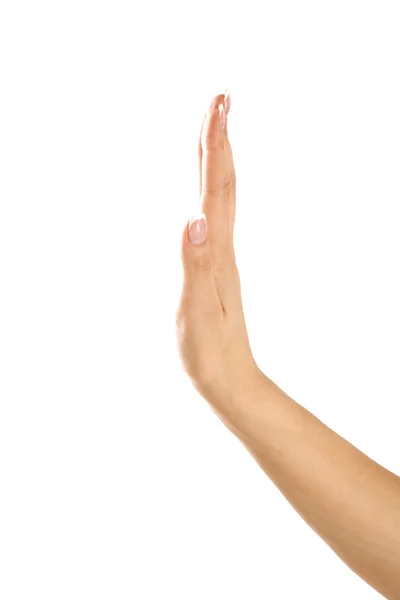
(212, 335)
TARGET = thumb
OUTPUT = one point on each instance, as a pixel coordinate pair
(199, 286)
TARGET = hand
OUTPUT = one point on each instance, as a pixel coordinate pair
(211, 329)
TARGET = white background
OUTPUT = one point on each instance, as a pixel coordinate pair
(116, 479)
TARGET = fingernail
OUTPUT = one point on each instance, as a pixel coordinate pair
(227, 102)
(222, 115)
(198, 230)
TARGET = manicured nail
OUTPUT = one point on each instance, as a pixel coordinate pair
(198, 230)
(227, 102)
(222, 115)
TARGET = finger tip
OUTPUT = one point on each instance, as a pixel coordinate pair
(217, 100)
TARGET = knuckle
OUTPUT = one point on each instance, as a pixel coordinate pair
(229, 187)
(212, 143)
(202, 264)
(227, 191)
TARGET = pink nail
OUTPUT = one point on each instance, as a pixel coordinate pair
(227, 102)
(222, 115)
(198, 230)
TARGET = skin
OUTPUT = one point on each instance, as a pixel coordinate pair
(349, 500)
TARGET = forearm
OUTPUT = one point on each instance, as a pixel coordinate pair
(348, 499)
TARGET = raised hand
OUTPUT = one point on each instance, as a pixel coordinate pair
(212, 335)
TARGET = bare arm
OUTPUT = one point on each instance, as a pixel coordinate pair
(349, 500)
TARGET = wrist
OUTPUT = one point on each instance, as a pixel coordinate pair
(235, 395)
